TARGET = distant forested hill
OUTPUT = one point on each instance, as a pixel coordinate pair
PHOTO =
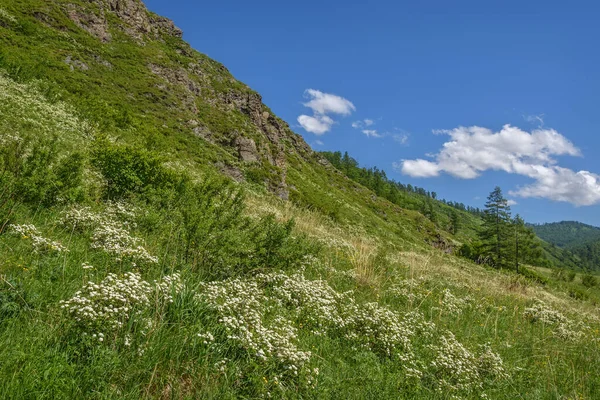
(581, 239)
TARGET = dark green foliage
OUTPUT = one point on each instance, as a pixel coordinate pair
(567, 233)
(221, 242)
(589, 280)
(579, 241)
(274, 245)
(32, 172)
(495, 233)
(210, 215)
(533, 275)
(448, 215)
(12, 298)
(129, 169)
(527, 248)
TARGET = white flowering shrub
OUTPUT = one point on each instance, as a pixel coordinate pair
(119, 243)
(39, 243)
(101, 309)
(562, 327)
(261, 315)
(23, 108)
(458, 371)
(109, 231)
(454, 305)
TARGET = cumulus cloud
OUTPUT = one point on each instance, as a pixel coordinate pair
(473, 150)
(323, 104)
(511, 202)
(319, 124)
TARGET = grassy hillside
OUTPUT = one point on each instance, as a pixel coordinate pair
(164, 235)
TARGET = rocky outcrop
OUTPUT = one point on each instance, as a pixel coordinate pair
(137, 21)
(246, 149)
(95, 24)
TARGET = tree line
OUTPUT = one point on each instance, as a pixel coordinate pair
(504, 241)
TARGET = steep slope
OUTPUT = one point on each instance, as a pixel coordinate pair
(131, 75)
(131, 268)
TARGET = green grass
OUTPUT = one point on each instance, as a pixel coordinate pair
(352, 279)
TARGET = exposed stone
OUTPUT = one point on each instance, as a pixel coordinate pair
(102, 62)
(246, 149)
(76, 64)
(233, 172)
(95, 25)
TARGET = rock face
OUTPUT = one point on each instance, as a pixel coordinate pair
(136, 18)
(246, 149)
(253, 133)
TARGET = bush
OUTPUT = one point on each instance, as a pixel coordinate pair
(533, 275)
(33, 173)
(589, 280)
(129, 169)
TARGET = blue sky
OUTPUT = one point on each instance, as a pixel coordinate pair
(413, 76)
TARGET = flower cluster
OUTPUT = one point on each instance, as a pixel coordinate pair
(110, 232)
(409, 290)
(108, 304)
(458, 370)
(240, 305)
(119, 243)
(40, 243)
(454, 305)
(23, 107)
(564, 328)
(5, 15)
(169, 286)
(102, 308)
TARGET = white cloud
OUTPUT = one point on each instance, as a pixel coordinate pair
(365, 123)
(473, 150)
(372, 133)
(535, 119)
(511, 202)
(418, 168)
(322, 104)
(325, 103)
(319, 124)
(318, 142)
(401, 138)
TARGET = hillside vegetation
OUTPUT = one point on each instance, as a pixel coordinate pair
(582, 240)
(164, 235)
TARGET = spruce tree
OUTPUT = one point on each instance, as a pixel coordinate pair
(527, 248)
(495, 232)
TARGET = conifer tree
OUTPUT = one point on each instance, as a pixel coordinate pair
(495, 232)
(527, 249)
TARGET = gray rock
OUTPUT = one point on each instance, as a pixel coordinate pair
(246, 149)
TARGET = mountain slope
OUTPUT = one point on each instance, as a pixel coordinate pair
(582, 240)
(164, 235)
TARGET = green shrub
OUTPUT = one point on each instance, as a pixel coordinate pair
(533, 275)
(129, 169)
(589, 280)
